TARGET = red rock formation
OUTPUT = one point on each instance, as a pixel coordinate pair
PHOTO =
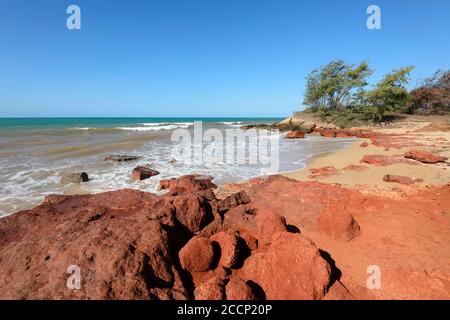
(190, 183)
(211, 289)
(385, 160)
(238, 289)
(230, 248)
(424, 156)
(323, 172)
(268, 223)
(142, 172)
(300, 203)
(297, 134)
(197, 255)
(355, 167)
(272, 269)
(338, 223)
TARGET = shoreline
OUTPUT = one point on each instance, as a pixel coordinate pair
(307, 234)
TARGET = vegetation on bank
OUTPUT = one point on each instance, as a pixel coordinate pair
(338, 93)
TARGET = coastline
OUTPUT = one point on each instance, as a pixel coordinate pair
(337, 216)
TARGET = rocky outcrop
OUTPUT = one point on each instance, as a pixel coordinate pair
(77, 177)
(323, 172)
(143, 172)
(295, 134)
(424, 156)
(188, 183)
(272, 269)
(385, 160)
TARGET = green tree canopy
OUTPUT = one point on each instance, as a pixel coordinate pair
(336, 84)
(390, 94)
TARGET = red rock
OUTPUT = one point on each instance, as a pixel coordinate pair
(297, 134)
(268, 223)
(197, 255)
(211, 289)
(192, 210)
(384, 160)
(323, 172)
(238, 289)
(121, 253)
(398, 179)
(234, 200)
(250, 241)
(338, 223)
(355, 167)
(190, 183)
(291, 268)
(395, 141)
(424, 156)
(364, 144)
(230, 248)
(142, 173)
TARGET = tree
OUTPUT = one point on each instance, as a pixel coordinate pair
(390, 94)
(335, 84)
(433, 96)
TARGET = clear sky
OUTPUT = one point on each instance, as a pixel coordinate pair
(216, 58)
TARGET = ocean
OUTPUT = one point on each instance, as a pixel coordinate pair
(36, 152)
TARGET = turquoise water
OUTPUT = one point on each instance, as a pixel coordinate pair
(36, 152)
(33, 123)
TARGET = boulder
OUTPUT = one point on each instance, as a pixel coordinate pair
(211, 289)
(238, 289)
(250, 241)
(231, 248)
(143, 172)
(291, 268)
(197, 255)
(268, 223)
(77, 177)
(295, 134)
(335, 221)
(424, 156)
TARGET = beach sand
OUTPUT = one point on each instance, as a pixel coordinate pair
(370, 175)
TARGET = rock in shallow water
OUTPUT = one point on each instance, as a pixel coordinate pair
(143, 172)
(77, 177)
(121, 158)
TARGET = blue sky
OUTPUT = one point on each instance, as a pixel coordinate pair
(216, 58)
